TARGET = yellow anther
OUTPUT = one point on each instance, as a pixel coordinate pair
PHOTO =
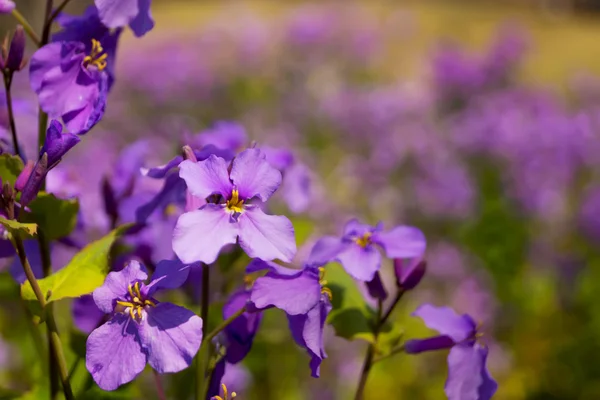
(132, 312)
(136, 287)
(364, 240)
(170, 210)
(97, 56)
(125, 303)
(225, 394)
(327, 291)
(235, 204)
(321, 273)
(130, 290)
(149, 303)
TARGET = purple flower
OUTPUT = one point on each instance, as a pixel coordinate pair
(301, 295)
(239, 190)
(119, 13)
(70, 75)
(356, 251)
(468, 377)
(240, 333)
(141, 330)
(57, 143)
(6, 6)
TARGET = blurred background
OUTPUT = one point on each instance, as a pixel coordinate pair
(477, 121)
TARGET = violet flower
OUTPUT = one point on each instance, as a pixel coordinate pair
(468, 377)
(119, 13)
(141, 330)
(300, 293)
(6, 6)
(356, 250)
(240, 333)
(241, 188)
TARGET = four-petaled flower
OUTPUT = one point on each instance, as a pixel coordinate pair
(141, 330)
(235, 193)
(356, 251)
(468, 377)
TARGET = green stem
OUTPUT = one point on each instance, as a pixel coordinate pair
(27, 27)
(204, 353)
(11, 115)
(395, 351)
(223, 325)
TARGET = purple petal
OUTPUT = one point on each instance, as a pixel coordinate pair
(408, 277)
(253, 176)
(240, 333)
(376, 288)
(162, 170)
(143, 21)
(172, 337)
(113, 353)
(6, 6)
(224, 135)
(360, 262)
(259, 265)
(117, 13)
(327, 249)
(57, 143)
(280, 159)
(207, 177)
(172, 191)
(292, 294)
(116, 283)
(355, 228)
(83, 120)
(86, 314)
(169, 274)
(416, 346)
(6, 249)
(401, 242)
(297, 188)
(200, 235)
(446, 321)
(267, 236)
(468, 378)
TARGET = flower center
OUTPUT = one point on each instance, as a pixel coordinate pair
(364, 240)
(136, 304)
(235, 204)
(226, 395)
(97, 56)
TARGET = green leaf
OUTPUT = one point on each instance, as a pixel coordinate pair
(351, 324)
(14, 227)
(84, 273)
(389, 339)
(10, 168)
(55, 217)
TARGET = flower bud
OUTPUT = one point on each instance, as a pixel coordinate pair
(188, 153)
(34, 183)
(376, 288)
(6, 6)
(15, 60)
(409, 274)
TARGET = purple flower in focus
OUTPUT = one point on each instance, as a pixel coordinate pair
(468, 377)
(356, 250)
(239, 188)
(303, 298)
(119, 13)
(141, 330)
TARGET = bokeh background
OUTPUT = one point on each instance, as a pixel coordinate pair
(478, 122)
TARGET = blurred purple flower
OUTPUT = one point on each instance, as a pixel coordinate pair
(6, 6)
(356, 249)
(119, 13)
(240, 333)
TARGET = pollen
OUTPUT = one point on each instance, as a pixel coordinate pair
(97, 56)
(226, 395)
(322, 281)
(235, 204)
(137, 303)
(364, 240)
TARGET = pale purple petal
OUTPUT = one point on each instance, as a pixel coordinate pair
(116, 283)
(172, 336)
(280, 159)
(172, 191)
(253, 176)
(294, 295)
(360, 262)
(113, 353)
(355, 228)
(6, 6)
(117, 13)
(86, 314)
(162, 170)
(200, 235)
(143, 21)
(446, 321)
(207, 177)
(401, 242)
(169, 274)
(259, 265)
(224, 135)
(297, 188)
(468, 378)
(327, 249)
(267, 236)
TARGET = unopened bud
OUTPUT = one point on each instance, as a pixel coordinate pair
(188, 153)
(34, 183)
(24, 176)
(6, 6)
(409, 273)
(376, 288)
(15, 60)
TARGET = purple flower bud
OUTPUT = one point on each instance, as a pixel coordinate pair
(15, 59)
(6, 6)
(409, 276)
(57, 143)
(376, 288)
(416, 346)
(24, 176)
(34, 183)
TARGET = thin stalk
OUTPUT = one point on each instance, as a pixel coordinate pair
(47, 23)
(160, 392)
(204, 353)
(58, 10)
(389, 311)
(27, 27)
(204, 302)
(223, 325)
(11, 115)
(395, 351)
(43, 117)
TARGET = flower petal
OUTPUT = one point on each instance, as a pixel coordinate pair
(116, 283)
(326, 249)
(297, 188)
(113, 353)
(446, 321)
(227, 135)
(253, 176)
(468, 378)
(401, 242)
(86, 314)
(207, 177)
(416, 346)
(293, 294)
(162, 170)
(356, 228)
(360, 262)
(259, 265)
(143, 21)
(199, 235)
(266, 236)
(240, 333)
(169, 274)
(172, 337)
(117, 13)
(173, 191)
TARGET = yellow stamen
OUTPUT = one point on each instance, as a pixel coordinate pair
(132, 312)
(97, 56)
(327, 291)
(125, 303)
(225, 394)
(149, 303)
(235, 204)
(364, 240)
(170, 210)
(130, 290)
